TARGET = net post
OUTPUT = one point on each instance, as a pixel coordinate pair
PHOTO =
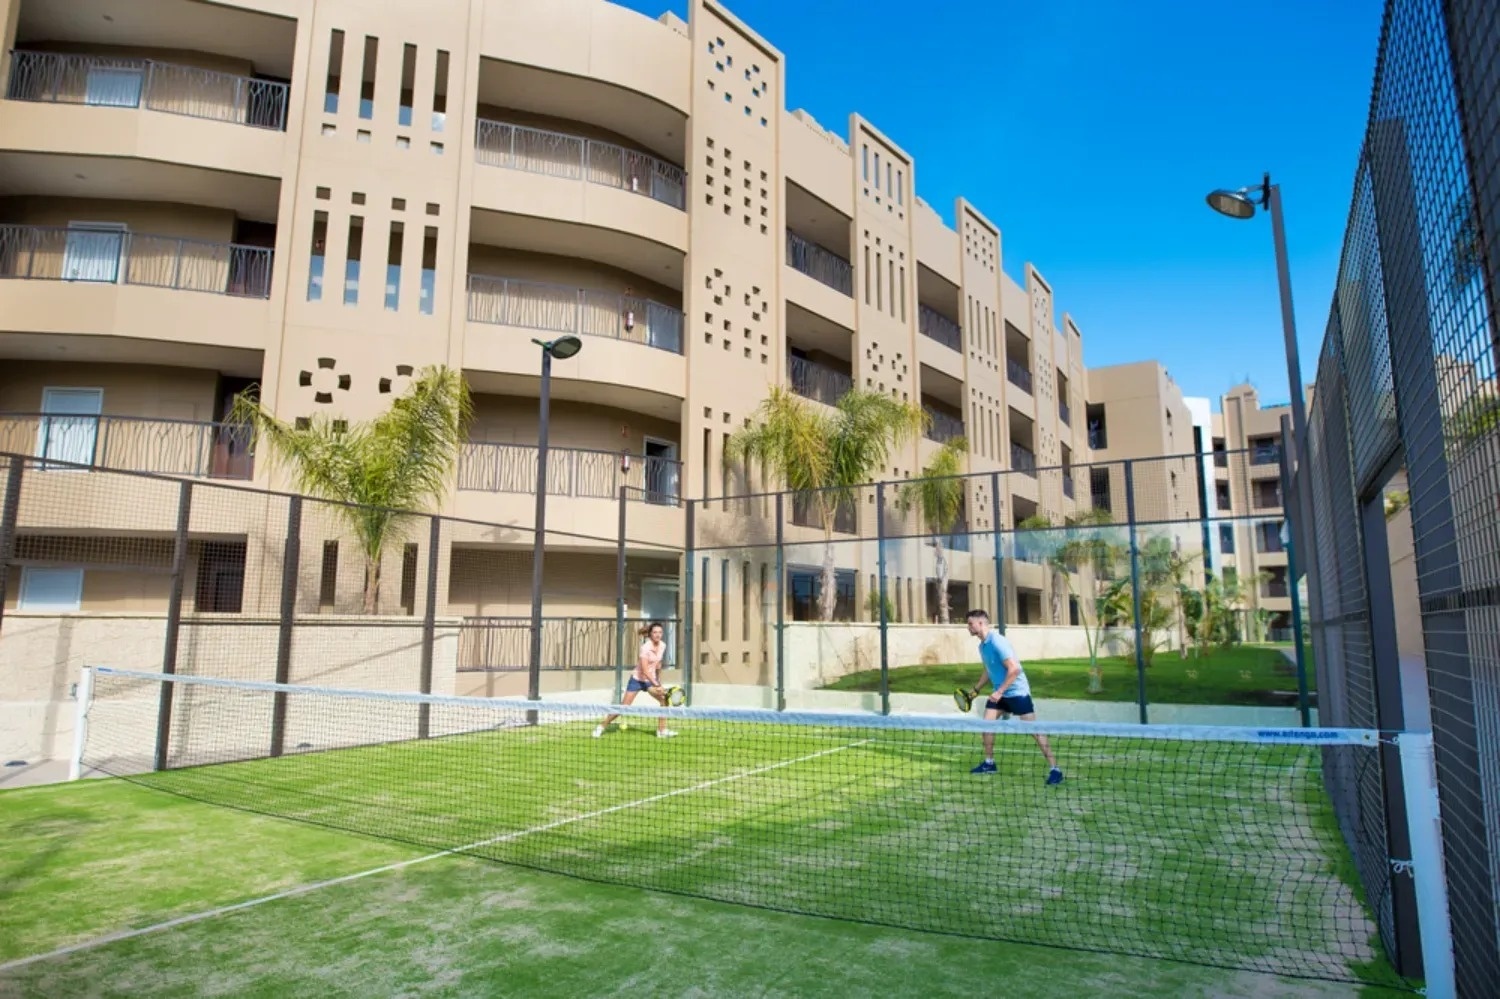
(885, 649)
(1304, 702)
(689, 652)
(999, 552)
(8, 516)
(85, 695)
(780, 600)
(290, 566)
(1135, 591)
(1424, 822)
(429, 624)
(620, 604)
(174, 622)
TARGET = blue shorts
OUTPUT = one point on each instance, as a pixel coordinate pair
(635, 685)
(1016, 705)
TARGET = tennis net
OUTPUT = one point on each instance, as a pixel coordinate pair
(1213, 846)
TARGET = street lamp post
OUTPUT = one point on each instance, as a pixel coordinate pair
(1241, 204)
(562, 348)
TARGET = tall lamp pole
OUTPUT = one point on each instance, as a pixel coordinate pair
(1241, 204)
(562, 348)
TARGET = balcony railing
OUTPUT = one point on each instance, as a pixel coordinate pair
(511, 468)
(1064, 413)
(1221, 459)
(1018, 374)
(1023, 460)
(941, 427)
(807, 513)
(557, 154)
(814, 381)
(820, 264)
(131, 444)
(1267, 499)
(1275, 589)
(561, 309)
(122, 82)
(1265, 454)
(1067, 478)
(115, 256)
(503, 644)
(936, 326)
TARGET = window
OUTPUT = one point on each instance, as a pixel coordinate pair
(393, 268)
(429, 270)
(367, 82)
(877, 173)
(1099, 488)
(335, 69)
(50, 589)
(723, 599)
(440, 92)
(864, 158)
(221, 578)
(315, 264)
(93, 251)
(409, 578)
(69, 428)
(806, 584)
(328, 577)
(351, 262)
(1098, 426)
(900, 189)
(408, 75)
(1226, 539)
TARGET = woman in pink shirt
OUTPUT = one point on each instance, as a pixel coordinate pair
(646, 676)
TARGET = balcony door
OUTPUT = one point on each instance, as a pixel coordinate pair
(69, 426)
(93, 251)
(662, 472)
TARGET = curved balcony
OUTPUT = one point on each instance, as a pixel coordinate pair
(573, 157)
(552, 308)
(109, 281)
(511, 468)
(189, 448)
(75, 105)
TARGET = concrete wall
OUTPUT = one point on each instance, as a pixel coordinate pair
(41, 654)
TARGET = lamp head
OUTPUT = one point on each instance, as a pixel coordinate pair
(562, 348)
(1235, 204)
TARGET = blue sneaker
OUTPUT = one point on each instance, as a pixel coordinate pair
(1055, 776)
(987, 767)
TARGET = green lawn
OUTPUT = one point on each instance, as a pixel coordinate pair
(623, 858)
(1246, 674)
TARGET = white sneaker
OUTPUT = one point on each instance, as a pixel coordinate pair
(598, 731)
(665, 733)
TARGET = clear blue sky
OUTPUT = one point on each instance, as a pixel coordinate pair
(1092, 129)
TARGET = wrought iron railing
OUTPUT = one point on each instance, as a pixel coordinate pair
(1064, 413)
(1018, 374)
(936, 326)
(941, 427)
(563, 309)
(558, 154)
(1265, 454)
(133, 444)
(489, 467)
(807, 513)
(1023, 460)
(503, 644)
(124, 82)
(816, 382)
(819, 263)
(1275, 589)
(115, 256)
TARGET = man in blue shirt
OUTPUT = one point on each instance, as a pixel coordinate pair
(1011, 695)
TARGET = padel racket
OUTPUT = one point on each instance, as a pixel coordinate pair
(963, 699)
(676, 697)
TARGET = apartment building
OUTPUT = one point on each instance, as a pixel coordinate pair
(1252, 547)
(319, 197)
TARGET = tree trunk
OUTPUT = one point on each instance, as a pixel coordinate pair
(372, 584)
(828, 599)
(945, 612)
(1096, 675)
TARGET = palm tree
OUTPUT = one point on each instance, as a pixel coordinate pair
(938, 498)
(375, 470)
(824, 457)
(1084, 544)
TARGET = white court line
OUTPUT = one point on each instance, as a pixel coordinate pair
(305, 889)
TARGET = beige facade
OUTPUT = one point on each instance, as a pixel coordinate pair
(1249, 490)
(320, 197)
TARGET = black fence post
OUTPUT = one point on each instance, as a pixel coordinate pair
(780, 602)
(689, 652)
(429, 624)
(620, 604)
(174, 622)
(1135, 591)
(999, 552)
(287, 613)
(1304, 704)
(8, 516)
(885, 651)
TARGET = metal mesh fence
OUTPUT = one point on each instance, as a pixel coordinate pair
(1407, 384)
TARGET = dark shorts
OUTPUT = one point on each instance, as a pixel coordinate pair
(635, 685)
(1011, 705)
